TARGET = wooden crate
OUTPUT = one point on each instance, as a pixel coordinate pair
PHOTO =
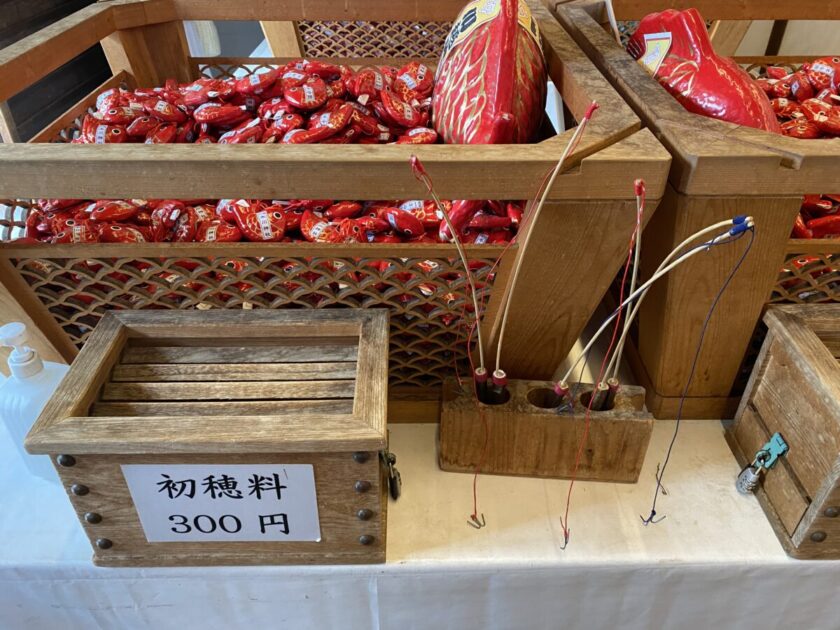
(795, 390)
(532, 435)
(719, 170)
(164, 389)
(582, 232)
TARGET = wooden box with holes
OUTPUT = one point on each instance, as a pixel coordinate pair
(532, 432)
(227, 437)
(794, 391)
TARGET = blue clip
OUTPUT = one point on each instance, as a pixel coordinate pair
(774, 449)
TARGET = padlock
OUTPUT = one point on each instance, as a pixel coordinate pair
(750, 477)
(748, 480)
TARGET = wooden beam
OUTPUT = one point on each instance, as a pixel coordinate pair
(152, 53)
(32, 58)
(728, 10)
(727, 35)
(8, 129)
(283, 38)
(271, 10)
(19, 304)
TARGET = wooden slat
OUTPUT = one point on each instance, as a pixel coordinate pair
(229, 409)
(8, 128)
(371, 404)
(283, 38)
(33, 57)
(727, 35)
(813, 246)
(244, 354)
(206, 434)
(79, 109)
(368, 10)
(728, 10)
(161, 372)
(268, 250)
(281, 60)
(243, 390)
(277, 172)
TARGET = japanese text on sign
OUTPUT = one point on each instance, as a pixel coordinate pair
(217, 503)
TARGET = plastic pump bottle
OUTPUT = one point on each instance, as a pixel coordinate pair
(24, 394)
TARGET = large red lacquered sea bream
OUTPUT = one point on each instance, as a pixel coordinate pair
(674, 46)
(491, 82)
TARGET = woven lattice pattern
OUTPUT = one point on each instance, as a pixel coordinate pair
(12, 219)
(223, 69)
(372, 39)
(426, 297)
(809, 278)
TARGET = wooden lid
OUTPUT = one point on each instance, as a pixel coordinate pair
(223, 381)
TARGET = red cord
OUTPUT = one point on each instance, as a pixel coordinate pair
(480, 411)
(564, 522)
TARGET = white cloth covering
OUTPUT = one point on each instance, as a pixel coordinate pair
(714, 562)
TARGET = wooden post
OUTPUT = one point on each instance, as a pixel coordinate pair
(283, 38)
(45, 337)
(574, 254)
(152, 54)
(671, 317)
(727, 35)
(8, 129)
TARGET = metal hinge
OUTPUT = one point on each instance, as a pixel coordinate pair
(389, 460)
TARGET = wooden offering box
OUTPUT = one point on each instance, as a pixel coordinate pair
(226, 437)
(530, 435)
(795, 390)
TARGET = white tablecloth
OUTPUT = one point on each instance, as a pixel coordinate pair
(713, 562)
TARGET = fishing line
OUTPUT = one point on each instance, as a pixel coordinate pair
(684, 395)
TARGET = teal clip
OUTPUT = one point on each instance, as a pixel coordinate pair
(773, 450)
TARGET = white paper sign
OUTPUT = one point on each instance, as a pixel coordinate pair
(225, 503)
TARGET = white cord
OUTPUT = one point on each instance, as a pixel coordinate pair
(615, 361)
(613, 22)
(637, 245)
(642, 289)
(421, 174)
(531, 220)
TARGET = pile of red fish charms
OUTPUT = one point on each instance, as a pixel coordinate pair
(807, 104)
(231, 220)
(300, 103)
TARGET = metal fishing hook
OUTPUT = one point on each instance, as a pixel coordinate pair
(475, 522)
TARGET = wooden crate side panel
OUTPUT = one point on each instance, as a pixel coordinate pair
(818, 535)
(338, 503)
(672, 314)
(788, 499)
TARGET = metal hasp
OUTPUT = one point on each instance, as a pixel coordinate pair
(394, 477)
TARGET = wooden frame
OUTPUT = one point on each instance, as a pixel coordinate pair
(65, 426)
(794, 389)
(591, 211)
(719, 170)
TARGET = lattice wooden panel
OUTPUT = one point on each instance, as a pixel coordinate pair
(429, 321)
(809, 278)
(12, 218)
(373, 39)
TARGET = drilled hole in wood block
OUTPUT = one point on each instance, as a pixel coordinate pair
(544, 398)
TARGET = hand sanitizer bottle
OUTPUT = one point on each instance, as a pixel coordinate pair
(24, 394)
